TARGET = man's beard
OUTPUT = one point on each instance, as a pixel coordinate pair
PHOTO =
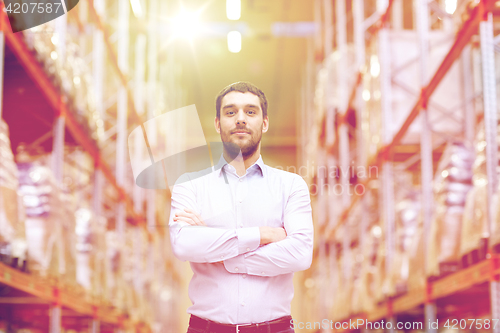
(234, 150)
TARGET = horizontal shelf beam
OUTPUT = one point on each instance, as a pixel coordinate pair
(481, 272)
(44, 292)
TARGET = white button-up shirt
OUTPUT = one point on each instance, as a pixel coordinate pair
(237, 281)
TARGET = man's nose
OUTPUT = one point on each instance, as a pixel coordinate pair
(241, 118)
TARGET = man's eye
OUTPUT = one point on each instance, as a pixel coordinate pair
(251, 112)
(230, 113)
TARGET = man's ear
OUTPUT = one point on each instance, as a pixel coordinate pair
(265, 124)
(217, 124)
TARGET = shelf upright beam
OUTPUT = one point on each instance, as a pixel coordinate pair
(341, 92)
(151, 112)
(58, 135)
(358, 13)
(2, 58)
(340, 14)
(469, 122)
(490, 123)
(332, 200)
(422, 22)
(140, 61)
(328, 28)
(397, 15)
(122, 108)
(58, 151)
(55, 319)
(329, 91)
(140, 72)
(152, 98)
(95, 326)
(384, 55)
(61, 24)
(98, 72)
(57, 169)
(322, 158)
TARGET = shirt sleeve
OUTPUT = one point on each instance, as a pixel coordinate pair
(203, 244)
(292, 254)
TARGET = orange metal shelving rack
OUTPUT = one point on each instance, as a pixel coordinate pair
(49, 292)
(486, 271)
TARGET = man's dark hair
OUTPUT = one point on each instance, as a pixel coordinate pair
(242, 87)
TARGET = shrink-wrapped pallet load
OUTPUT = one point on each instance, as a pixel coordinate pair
(380, 278)
(343, 291)
(335, 283)
(452, 183)
(354, 258)
(416, 270)
(12, 231)
(369, 284)
(85, 247)
(71, 74)
(351, 262)
(113, 285)
(475, 219)
(133, 268)
(90, 252)
(49, 223)
(357, 267)
(43, 232)
(99, 255)
(407, 219)
(67, 267)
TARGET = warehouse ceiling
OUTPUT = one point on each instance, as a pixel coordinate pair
(275, 64)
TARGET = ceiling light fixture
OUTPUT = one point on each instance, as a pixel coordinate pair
(136, 8)
(186, 24)
(233, 9)
(234, 41)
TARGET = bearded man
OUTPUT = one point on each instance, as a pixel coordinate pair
(245, 228)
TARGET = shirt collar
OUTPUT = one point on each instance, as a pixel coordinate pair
(259, 164)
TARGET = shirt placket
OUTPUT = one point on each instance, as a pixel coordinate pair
(241, 190)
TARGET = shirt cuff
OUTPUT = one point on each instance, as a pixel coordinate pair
(248, 239)
(236, 265)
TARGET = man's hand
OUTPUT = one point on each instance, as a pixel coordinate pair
(190, 217)
(271, 235)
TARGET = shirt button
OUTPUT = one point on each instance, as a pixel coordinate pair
(263, 273)
(222, 257)
(241, 225)
(248, 249)
(244, 276)
(242, 303)
(241, 179)
(236, 269)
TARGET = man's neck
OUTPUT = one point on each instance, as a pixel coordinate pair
(240, 163)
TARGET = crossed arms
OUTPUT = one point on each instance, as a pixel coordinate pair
(262, 251)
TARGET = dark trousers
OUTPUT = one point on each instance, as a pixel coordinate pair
(196, 330)
(211, 330)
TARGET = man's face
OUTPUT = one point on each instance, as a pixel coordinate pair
(241, 123)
